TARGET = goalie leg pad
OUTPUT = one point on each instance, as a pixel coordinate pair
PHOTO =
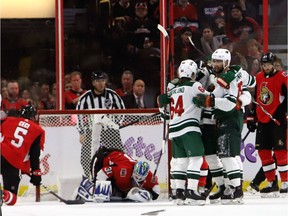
(139, 195)
(103, 191)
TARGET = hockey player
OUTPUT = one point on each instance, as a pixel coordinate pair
(184, 131)
(229, 97)
(271, 93)
(22, 140)
(130, 179)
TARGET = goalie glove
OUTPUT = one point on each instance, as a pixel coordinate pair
(139, 195)
(202, 100)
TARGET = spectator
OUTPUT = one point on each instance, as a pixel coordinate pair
(14, 102)
(253, 52)
(185, 15)
(123, 8)
(72, 95)
(153, 10)
(47, 100)
(68, 86)
(126, 83)
(138, 98)
(27, 96)
(240, 28)
(219, 23)
(278, 64)
(141, 27)
(184, 49)
(209, 43)
(4, 92)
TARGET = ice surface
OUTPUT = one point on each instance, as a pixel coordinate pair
(253, 206)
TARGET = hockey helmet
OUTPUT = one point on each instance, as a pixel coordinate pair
(187, 68)
(140, 171)
(97, 75)
(268, 58)
(222, 54)
(28, 112)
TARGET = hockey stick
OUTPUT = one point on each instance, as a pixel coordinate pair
(244, 138)
(37, 190)
(68, 202)
(206, 194)
(165, 134)
(198, 50)
(266, 112)
(153, 212)
(142, 119)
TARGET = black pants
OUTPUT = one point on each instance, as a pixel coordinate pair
(11, 176)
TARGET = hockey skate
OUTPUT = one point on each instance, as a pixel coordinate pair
(215, 198)
(172, 195)
(232, 196)
(284, 189)
(271, 190)
(180, 197)
(194, 198)
(253, 188)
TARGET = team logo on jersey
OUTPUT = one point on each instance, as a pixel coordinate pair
(266, 96)
(107, 103)
(123, 172)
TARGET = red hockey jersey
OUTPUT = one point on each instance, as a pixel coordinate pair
(18, 134)
(269, 93)
(118, 166)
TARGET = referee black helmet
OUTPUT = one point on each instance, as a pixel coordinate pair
(97, 75)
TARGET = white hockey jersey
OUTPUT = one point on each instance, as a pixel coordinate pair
(184, 114)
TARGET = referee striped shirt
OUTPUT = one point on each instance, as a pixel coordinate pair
(109, 99)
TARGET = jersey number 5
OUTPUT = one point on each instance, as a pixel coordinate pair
(19, 139)
(177, 108)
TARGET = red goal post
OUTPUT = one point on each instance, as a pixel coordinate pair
(137, 132)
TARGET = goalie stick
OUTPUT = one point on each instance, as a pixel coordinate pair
(68, 202)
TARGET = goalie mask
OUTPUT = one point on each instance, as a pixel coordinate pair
(141, 170)
(224, 55)
(187, 68)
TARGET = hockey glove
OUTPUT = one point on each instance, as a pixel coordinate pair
(163, 100)
(202, 100)
(251, 123)
(35, 178)
(225, 79)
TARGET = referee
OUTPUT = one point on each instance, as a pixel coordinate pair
(99, 97)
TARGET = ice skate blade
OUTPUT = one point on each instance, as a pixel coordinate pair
(237, 201)
(179, 202)
(270, 195)
(195, 202)
(215, 201)
(284, 195)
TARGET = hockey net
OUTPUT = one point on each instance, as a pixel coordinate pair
(72, 137)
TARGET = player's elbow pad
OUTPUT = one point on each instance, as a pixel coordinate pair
(245, 98)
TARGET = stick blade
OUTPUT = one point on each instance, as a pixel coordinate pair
(163, 30)
(74, 202)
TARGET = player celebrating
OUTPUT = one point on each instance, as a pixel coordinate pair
(229, 98)
(129, 179)
(271, 93)
(184, 131)
(20, 150)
